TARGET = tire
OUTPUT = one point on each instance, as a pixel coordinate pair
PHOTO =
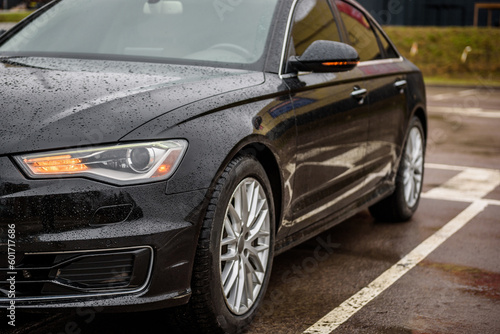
(402, 204)
(229, 254)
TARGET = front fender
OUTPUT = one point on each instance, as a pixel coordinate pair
(218, 127)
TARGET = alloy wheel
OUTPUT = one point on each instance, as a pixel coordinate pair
(244, 246)
(413, 167)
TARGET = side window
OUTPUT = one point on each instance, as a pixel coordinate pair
(389, 50)
(360, 32)
(313, 20)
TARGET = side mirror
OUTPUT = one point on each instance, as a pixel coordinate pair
(326, 56)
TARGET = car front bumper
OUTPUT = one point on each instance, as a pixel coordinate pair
(80, 243)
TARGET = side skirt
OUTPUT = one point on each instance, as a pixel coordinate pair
(322, 225)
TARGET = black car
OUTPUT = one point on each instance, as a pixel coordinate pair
(158, 154)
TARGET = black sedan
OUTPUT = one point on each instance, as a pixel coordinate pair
(158, 154)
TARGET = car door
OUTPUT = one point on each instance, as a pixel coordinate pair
(332, 124)
(386, 85)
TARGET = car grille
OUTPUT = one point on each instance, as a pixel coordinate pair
(101, 271)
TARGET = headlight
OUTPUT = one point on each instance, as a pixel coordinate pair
(117, 164)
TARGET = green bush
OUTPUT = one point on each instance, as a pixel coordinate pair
(13, 16)
(440, 51)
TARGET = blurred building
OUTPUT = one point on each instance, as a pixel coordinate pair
(29, 4)
(391, 12)
(8, 4)
(431, 12)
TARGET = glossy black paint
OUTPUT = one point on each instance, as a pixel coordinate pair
(332, 137)
(102, 101)
(328, 153)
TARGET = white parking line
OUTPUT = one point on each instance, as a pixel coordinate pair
(445, 167)
(463, 93)
(467, 112)
(480, 188)
(351, 306)
(468, 186)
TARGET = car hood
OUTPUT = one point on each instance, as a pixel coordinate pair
(50, 103)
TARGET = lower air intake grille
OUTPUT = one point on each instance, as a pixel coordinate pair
(84, 273)
(98, 271)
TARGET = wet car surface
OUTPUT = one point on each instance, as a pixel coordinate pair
(454, 290)
(135, 181)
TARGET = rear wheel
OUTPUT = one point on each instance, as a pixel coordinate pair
(403, 203)
(235, 251)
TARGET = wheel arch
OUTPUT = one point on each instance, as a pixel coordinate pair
(255, 146)
(267, 159)
(422, 116)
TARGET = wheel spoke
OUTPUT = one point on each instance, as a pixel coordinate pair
(418, 184)
(413, 167)
(259, 204)
(253, 198)
(419, 164)
(409, 190)
(409, 149)
(228, 270)
(417, 178)
(406, 178)
(229, 256)
(234, 220)
(229, 241)
(233, 276)
(249, 287)
(240, 287)
(244, 245)
(250, 275)
(413, 190)
(254, 232)
(254, 254)
(228, 228)
(417, 145)
(244, 204)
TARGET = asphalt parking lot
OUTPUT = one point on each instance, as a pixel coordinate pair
(439, 273)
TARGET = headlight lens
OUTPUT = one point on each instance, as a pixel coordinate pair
(117, 164)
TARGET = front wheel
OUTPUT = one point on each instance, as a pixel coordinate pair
(235, 251)
(403, 203)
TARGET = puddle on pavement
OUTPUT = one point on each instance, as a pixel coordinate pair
(474, 281)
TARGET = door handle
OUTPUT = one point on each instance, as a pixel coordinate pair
(359, 94)
(401, 85)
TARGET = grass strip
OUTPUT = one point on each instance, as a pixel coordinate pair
(440, 51)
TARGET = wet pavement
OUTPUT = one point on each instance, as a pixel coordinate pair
(456, 289)
(6, 25)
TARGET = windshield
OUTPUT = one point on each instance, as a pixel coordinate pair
(230, 32)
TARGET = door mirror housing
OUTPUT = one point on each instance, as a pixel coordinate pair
(326, 56)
